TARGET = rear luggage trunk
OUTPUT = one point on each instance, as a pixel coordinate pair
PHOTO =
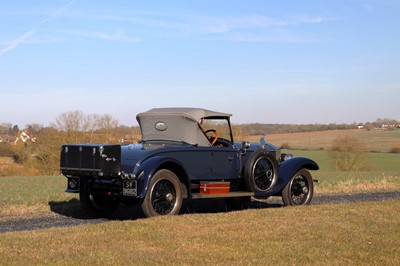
(95, 160)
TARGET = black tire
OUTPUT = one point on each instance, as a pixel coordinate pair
(300, 189)
(261, 171)
(239, 203)
(97, 205)
(164, 195)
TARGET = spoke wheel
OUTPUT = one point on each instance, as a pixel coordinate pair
(299, 191)
(164, 196)
(261, 171)
(97, 205)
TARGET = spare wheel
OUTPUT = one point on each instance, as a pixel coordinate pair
(261, 171)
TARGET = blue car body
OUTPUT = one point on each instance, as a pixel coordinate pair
(177, 140)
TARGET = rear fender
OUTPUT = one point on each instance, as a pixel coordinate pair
(146, 170)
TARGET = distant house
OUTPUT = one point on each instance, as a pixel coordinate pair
(390, 125)
(360, 126)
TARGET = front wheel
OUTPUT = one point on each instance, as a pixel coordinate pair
(299, 190)
(164, 195)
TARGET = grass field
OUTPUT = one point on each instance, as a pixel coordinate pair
(345, 234)
(375, 140)
(22, 195)
(350, 234)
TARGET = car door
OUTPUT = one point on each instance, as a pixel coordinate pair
(225, 163)
(197, 161)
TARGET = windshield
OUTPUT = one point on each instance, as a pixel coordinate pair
(221, 125)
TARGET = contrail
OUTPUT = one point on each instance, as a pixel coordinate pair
(25, 36)
(16, 42)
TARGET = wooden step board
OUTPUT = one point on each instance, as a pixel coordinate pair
(227, 195)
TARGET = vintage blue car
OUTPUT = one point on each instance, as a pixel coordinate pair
(185, 154)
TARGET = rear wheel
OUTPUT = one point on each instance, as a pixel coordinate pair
(299, 190)
(96, 204)
(164, 195)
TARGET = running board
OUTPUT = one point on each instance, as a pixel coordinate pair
(227, 195)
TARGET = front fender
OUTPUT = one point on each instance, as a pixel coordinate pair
(146, 170)
(286, 171)
(290, 167)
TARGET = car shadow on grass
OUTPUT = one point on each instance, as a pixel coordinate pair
(72, 209)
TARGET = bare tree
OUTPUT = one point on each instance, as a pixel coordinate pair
(34, 127)
(349, 154)
(107, 124)
(5, 128)
(73, 124)
(91, 124)
(70, 121)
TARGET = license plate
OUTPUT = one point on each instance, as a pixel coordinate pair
(129, 188)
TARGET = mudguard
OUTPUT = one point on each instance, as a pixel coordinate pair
(146, 169)
(286, 171)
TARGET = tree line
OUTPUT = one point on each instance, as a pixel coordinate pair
(77, 121)
(42, 155)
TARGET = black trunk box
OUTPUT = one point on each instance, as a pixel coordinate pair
(90, 159)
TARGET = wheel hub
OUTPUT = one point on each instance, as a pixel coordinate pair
(269, 174)
(169, 197)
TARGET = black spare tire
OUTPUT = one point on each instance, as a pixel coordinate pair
(261, 171)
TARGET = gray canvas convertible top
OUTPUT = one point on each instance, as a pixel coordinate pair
(176, 124)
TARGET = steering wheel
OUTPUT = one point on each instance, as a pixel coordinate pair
(214, 134)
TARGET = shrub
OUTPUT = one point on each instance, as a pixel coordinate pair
(5, 150)
(349, 154)
(285, 146)
(395, 150)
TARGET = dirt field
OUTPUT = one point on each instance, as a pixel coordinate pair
(376, 140)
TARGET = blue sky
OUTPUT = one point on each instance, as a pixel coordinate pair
(264, 61)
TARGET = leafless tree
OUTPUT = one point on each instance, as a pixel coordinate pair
(70, 121)
(349, 154)
(72, 124)
(107, 123)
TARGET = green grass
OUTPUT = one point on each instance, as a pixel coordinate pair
(350, 234)
(341, 234)
(31, 196)
(32, 190)
(38, 191)
(383, 172)
(383, 162)
(386, 161)
(375, 140)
